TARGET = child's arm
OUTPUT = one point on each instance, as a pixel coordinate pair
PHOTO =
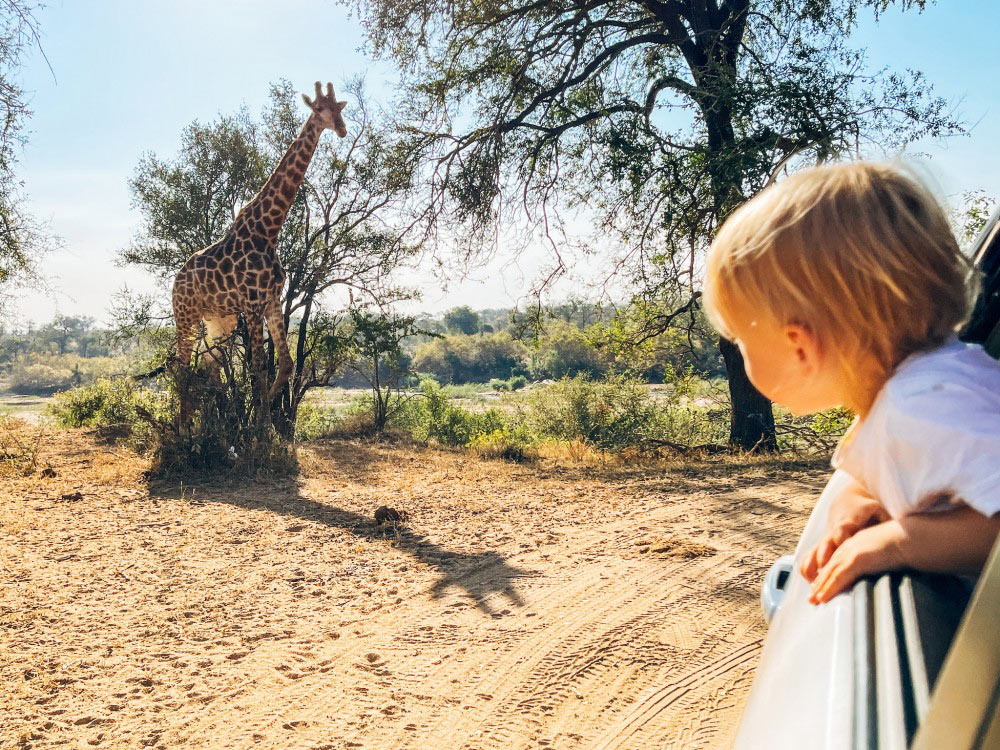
(852, 510)
(956, 541)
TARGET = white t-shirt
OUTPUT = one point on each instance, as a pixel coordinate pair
(932, 437)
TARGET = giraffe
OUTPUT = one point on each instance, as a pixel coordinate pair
(241, 274)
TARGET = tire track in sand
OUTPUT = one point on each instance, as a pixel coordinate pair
(661, 699)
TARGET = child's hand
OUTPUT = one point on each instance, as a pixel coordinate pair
(872, 550)
(846, 520)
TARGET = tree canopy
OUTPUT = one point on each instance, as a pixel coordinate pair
(22, 239)
(655, 118)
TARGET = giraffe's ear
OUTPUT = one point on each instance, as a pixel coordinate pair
(308, 101)
(341, 105)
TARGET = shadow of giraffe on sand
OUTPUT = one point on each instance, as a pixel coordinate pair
(480, 575)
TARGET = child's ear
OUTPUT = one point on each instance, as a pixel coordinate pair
(805, 345)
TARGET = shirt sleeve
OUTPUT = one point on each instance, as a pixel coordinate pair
(940, 449)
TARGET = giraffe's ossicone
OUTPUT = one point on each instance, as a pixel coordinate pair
(241, 273)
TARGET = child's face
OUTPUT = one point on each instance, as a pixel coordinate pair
(788, 364)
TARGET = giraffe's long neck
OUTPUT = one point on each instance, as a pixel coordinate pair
(270, 206)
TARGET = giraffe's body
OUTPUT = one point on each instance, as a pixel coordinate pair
(241, 274)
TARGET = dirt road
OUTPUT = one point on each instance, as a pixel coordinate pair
(548, 605)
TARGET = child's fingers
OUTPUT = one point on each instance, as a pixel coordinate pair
(831, 581)
(816, 559)
(874, 513)
(809, 566)
(844, 532)
(826, 549)
(833, 541)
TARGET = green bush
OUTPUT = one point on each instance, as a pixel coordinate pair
(314, 422)
(566, 351)
(832, 422)
(512, 384)
(509, 443)
(690, 411)
(119, 409)
(609, 414)
(431, 416)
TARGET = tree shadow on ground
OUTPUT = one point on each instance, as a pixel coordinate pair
(480, 575)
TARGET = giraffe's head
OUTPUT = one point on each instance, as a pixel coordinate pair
(328, 109)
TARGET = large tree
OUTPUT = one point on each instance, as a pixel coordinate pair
(654, 118)
(22, 239)
(346, 229)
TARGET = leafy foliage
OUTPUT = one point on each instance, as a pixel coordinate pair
(655, 119)
(22, 239)
(607, 414)
(977, 209)
(462, 320)
(119, 409)
(460, 358)
(377, 339)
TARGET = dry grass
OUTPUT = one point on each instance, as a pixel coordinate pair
(19, 447)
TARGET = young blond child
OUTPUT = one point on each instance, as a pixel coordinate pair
(844, 285)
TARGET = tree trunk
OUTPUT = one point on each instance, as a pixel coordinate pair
(285, 409)
(283, 417)
(752, 425)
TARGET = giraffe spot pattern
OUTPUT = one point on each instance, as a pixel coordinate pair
(241, 273)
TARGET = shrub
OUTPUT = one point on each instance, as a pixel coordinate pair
(225, 433)
(609, 414)
(499, 385)
(832, 422)
(517, 382)
(118, 409)
(509, 443)
(431, 416)
(566, 351)
(463, 359)
(690, 412)
(38, 378)
(315, 422)
(19, 448)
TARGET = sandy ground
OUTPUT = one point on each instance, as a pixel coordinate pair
(549, 605)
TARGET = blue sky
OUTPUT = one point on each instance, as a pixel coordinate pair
(129, 75)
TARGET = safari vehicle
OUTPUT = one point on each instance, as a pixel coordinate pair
(904, 660)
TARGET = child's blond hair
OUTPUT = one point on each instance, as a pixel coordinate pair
(860, 253)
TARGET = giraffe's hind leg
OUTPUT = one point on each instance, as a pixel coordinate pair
(276, 327)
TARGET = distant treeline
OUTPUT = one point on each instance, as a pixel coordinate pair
(461, 345)
(65, 334)
(574, 338)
